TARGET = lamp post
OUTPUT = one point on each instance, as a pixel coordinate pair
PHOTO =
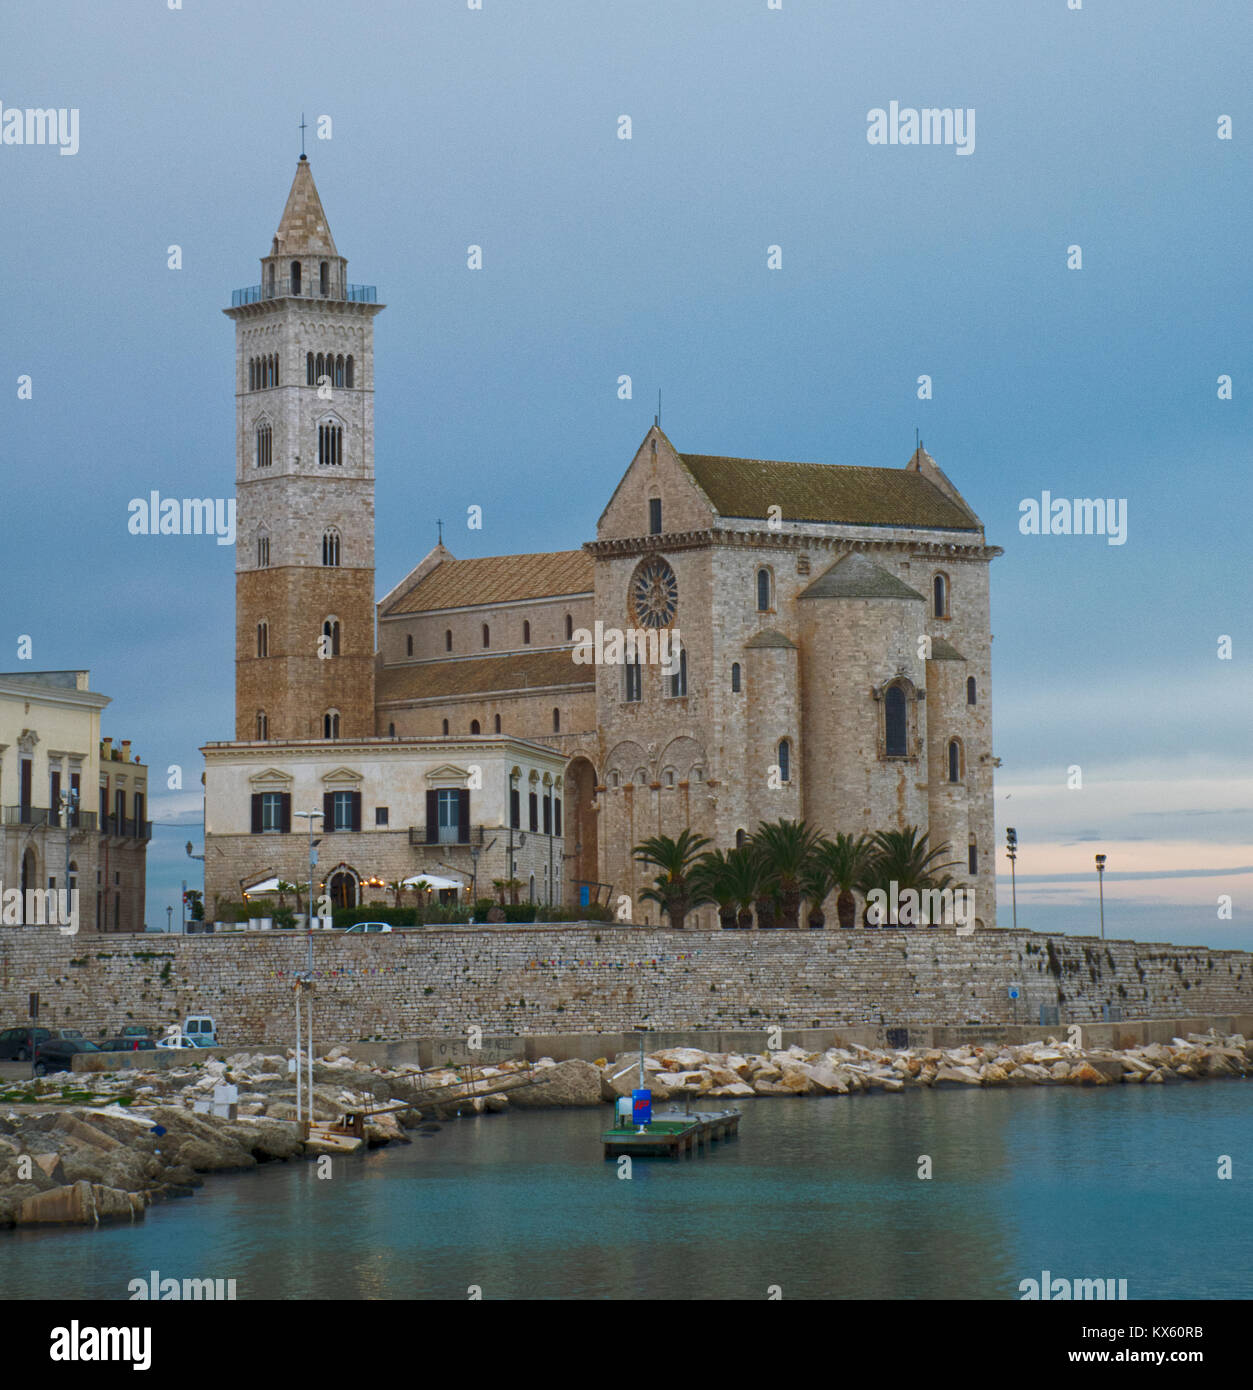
(169, 921)
(1100, 879)
(313, 859)
(69, 807)
(1011, 848)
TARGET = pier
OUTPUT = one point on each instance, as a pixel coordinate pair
(671, 1134)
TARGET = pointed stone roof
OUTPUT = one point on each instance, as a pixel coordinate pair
(857, 576)
(303, 229)
(943, 650)
(769, 637)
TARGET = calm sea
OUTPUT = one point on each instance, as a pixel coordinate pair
(818, 1196)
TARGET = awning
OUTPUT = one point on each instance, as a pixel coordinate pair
(267, 885)
(433, 880)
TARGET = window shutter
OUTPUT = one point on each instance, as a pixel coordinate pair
(328, 811)
(356, 810)
(432, 818)
(463, 815)
(256, 813)
(285, 813)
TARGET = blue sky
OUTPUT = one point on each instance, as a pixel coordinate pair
(497, 388)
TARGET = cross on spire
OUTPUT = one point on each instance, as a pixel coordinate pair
(302, 135)
(440, 524)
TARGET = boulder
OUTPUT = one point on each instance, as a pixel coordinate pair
(736, 1088)
(567, 1084)
(827, 1080)
(796, 1079)
(957, 1076)
(1087, 1073)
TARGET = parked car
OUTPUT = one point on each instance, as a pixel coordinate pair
(132, 1043)
(57, 1054)
(67, 1033)
(368, 927)
(175, 1042)
(16, 1043)
(201, 1029)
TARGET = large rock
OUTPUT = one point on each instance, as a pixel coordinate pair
(82, 1204)
(568, 1084)
(828, 1080)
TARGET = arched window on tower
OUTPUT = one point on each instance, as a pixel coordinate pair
(252, 374)
(896, 729)
(972, 856)
(330, 724)
(735, 677)
(474, 726)
(330, 637)
(556, 721)
(445, 728)
(526, 634)
(270, 281)
(448, 639)
(971, 691)
(310, 379)
(263, 550)
(330, 546)
(324, 279)
(498, 723)
(295, 280)
(409, 644)
(265, 446)
(274, 369)
(339, 370)
(263, 639)
(330, 443)
(319, 369)
(954, 760)
(487, 635)
(939, 596)
(763, 590)
(348, 371)
(678, 681)
(263, 725)
(785, 761)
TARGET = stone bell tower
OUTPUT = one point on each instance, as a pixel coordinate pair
(304, 486)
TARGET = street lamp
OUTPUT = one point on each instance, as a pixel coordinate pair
(1011, 848)
(69, 809)
(1100, 878)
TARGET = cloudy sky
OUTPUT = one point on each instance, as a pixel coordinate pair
(1095, 128)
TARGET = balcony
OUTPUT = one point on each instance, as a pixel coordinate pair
(417, 836)
(282, 289)
(41, 815)
(127, 828)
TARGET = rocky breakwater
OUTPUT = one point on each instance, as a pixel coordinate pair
(839, 1071)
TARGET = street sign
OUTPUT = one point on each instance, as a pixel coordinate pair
(1013, 991)
(642, 1107)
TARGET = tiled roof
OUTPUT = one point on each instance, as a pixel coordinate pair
(943, 650)
(498, 579)
(857, 576)
(826, 492)
(770, 637)
(483, 675)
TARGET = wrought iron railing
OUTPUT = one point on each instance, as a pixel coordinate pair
(283, 289)
(417, 836)
(41, 815)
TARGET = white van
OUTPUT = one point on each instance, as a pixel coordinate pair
(201, 1029)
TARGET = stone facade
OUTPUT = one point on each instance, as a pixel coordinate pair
(595, 978)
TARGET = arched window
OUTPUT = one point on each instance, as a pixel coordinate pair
(972, 856)
(295, 280)
(448, 639)
(668, 777)
(330, 724)
(678, 682)
(270, 281)
(265, 446)
(735, 677)
(324, 278)
(409, 644)
(954, 760)
(939, 594)
(275, 381)
(763, 590)
(445, 727)
(391, 731)
(310, 379)
(339, 370)
(498, 723)
(526, 634)
(895, 723)
(263, 639)
(487, 636)
(569, 628)
(474, 726)
(319, 369)
(785, 761)
(348, 371)
(263, 551)
(330, 635)
(263, 725)
(739, 839)
(971, 691)
(556, 721)
(252, 374)
(330, 443)
(330, 546)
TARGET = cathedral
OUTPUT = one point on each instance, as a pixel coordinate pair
(830, 656)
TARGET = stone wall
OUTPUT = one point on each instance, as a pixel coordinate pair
(597, 978)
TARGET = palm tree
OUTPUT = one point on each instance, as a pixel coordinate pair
(818, 884)
(904, 857)
(848, 860)
(712, 878)
(786, 849)
(673, 887)
(398, 888)
(744, 879)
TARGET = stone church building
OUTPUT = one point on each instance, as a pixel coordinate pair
(835, 650)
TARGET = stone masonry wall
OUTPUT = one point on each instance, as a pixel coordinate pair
(596, 978)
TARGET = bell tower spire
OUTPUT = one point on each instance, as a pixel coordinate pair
(304, 483)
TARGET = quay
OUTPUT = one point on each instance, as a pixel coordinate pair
(670, 1134)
